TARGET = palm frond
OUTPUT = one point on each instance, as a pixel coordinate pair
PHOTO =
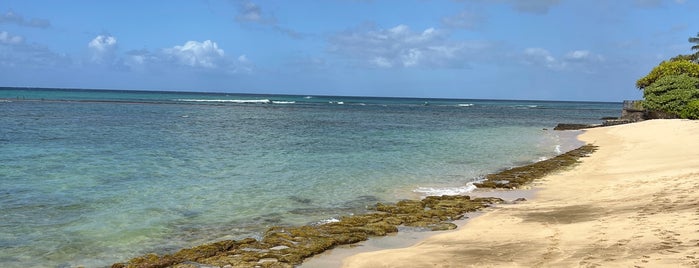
(696, 41)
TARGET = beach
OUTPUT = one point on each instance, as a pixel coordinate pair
(632, 203)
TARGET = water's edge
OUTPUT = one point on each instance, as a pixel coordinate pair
(289, 246)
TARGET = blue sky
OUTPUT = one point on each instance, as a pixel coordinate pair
(495, 49)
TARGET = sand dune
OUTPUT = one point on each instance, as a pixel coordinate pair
(633, 203)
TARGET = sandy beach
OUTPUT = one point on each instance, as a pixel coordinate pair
(633, 203)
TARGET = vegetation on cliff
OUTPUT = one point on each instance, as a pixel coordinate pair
(672, 94)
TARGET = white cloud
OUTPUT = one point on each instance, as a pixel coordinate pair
(11, 17)
(15, 52)
(7, 38)
(400, 46)
(576, 59)
(205, 56)
(540, 56)
(381, 62)
(197, 54)
(103, 43)
(583, 55)
(102, 48)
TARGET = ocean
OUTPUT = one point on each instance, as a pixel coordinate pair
(93, 177)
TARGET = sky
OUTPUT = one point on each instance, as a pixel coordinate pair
(588, 50)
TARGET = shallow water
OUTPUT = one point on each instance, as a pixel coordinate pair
(103, 176)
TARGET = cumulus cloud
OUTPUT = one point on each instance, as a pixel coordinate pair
(12, 17)
(197, 54)
(575, 59)
(102, 48)
(402, 47)
(103, 43)
(205, 56)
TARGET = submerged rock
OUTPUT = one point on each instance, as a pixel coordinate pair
(574, 126)
(518, 176)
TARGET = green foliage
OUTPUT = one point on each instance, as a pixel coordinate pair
(691, 111)
(689, 57)
(667, 68)
(671, 93)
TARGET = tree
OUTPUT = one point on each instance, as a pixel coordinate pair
(695, 40)
(691, 111)
(671, 94)
(689, 57)
(667, 68)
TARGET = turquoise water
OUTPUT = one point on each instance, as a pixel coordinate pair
(95, 177)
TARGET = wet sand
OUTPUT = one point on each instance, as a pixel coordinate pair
(406, 236)
(634, 202)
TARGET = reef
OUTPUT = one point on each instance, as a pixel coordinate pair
(287, 246)
(518, 176)
(282, 246)
(563, 126)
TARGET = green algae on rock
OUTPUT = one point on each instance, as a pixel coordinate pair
(518, 176)
(289, 246)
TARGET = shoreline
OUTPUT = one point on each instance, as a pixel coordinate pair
(402, 239)
(288, 246)
(632, 204)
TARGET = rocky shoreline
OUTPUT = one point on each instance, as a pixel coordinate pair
(289, 246)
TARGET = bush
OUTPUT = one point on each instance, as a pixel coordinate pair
(669, 68)
(671, 94)
(691, 111)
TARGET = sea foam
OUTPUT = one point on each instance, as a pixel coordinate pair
(264, 101)
(439, 191)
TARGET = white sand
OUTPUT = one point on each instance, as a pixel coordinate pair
(634, 202)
